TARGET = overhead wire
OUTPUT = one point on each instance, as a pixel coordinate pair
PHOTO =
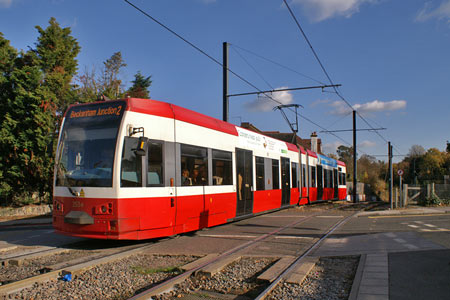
(253, 68)
(326, 73)
(190, 44)
(292, 70)
(276, 63)
(220, 64)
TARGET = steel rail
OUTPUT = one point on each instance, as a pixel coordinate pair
(18, 285)
(166, 285)
(296, 262)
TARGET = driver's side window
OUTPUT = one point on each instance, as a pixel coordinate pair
(131, 169)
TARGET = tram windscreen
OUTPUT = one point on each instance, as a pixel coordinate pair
(87, 145)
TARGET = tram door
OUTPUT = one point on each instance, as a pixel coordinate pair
(244, 182)
(319, 182)
(336, 183)
(285, 181)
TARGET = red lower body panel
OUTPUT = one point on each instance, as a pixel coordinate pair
(266, 200)
(342, 193)
(146, 218)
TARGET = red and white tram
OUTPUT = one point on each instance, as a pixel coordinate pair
(141, 169)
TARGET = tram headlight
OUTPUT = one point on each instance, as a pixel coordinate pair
(57, 206)
(104, 209)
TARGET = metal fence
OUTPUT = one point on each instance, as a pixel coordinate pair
(442, 191)
(411, 194)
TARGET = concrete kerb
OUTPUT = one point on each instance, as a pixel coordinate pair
(402, 212)
(358, 278)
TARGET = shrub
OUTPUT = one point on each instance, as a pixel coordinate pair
(431, 201)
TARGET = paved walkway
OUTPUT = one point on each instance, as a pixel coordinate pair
(47, 220)
(372, 278)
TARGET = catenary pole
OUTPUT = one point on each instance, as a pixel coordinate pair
(391, 175)
(355, 183)
(225, 82)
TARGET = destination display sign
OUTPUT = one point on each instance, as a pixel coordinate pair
(111, 109)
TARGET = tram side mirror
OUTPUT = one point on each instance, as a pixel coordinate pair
(141, 147)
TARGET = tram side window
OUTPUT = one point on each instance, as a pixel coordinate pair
(260, 180)
(155, 171)
(194, 165)
(222, 167)
(341, 178)
(313, 176)
(303, 175)
(131, 170)
(325, 178)
(294, 175)
(276, 174)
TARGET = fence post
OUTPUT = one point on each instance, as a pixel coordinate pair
(396, 197)
(405, 195)
(428, 190)
(433, 192)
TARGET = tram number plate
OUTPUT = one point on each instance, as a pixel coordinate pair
(77, 204)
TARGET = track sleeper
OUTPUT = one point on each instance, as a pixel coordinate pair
(302, 270)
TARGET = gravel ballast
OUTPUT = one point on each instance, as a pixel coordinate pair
(238, 278)
(119, 279)
(331, 278)
(33, 267)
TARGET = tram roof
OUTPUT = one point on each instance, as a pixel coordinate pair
(168, 110)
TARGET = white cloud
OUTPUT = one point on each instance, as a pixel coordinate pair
(367, 144)
(340, 108)
(5, 3)
(319, 10)
(319, 102)
(268, 102)
(330, 148)
(440, 12)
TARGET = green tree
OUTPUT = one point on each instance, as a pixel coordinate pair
(56, 51)
(35, 89)
(92, 85)
(432, 165)
(8, 56)
(25, 134)
(111, 84)
(370, 171)
(88, 87)
(345, 154)
(140, 86)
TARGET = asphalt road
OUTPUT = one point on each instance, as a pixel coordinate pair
(34, 235)
(418, 246)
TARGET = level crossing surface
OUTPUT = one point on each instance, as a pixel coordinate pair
(406, 254)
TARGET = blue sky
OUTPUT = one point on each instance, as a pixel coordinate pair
(392, 58)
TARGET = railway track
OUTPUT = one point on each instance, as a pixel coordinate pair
(48, 268)
(206, 267)
(211, 266)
